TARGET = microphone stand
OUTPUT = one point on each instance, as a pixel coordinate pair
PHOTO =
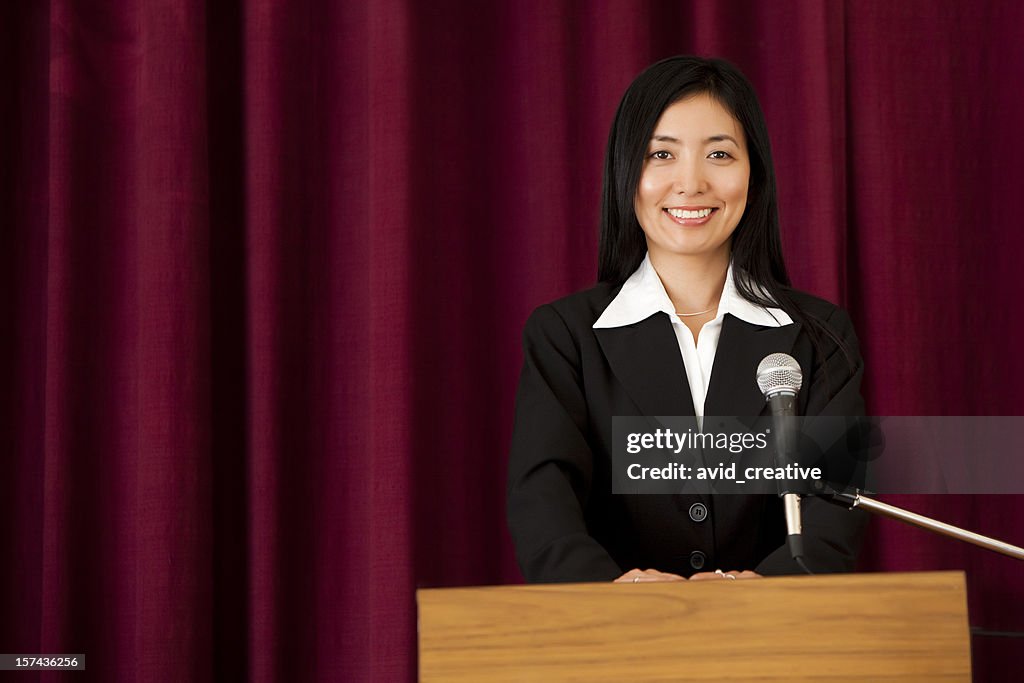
(856, 500)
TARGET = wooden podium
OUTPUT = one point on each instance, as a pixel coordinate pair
(855, 627)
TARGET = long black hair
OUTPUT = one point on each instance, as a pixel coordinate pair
(759, 270)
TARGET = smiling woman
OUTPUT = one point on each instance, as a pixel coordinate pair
(693, 189)
(692, 194)
(693, 293)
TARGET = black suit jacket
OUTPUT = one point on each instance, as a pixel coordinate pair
(566, 524)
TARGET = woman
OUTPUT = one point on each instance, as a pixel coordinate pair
(693, 293)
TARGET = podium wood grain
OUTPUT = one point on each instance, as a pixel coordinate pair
(852, 627)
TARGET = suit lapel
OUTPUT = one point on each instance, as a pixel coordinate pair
(645, 358)
(733, 390)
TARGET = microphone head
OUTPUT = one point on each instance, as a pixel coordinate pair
(779, 373)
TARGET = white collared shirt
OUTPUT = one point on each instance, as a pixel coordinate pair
(643, 295)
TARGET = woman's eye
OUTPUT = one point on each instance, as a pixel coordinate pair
(661, 155)
(719, 154)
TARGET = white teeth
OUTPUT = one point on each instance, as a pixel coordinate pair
(682, 213)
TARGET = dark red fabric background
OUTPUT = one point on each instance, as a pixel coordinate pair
(264, 268)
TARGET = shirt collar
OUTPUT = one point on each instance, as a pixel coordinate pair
(643, 295)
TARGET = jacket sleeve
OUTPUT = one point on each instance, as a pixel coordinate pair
(551, 463)
(832, 534)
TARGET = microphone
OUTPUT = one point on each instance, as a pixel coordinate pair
(779, 378)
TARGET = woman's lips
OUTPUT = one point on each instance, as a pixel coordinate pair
(694, 216)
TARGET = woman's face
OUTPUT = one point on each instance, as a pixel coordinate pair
(693, 188)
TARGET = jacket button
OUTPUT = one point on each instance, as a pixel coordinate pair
(697, 559)
(698, 512)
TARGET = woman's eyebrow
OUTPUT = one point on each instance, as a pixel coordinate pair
(721, 137)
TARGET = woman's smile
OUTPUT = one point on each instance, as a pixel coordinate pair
(689, 215)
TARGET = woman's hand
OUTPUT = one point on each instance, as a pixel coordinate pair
(647, 576)
(718, 574)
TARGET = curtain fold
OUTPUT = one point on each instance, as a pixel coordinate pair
(264, 267)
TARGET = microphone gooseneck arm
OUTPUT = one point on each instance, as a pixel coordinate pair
(856, 500)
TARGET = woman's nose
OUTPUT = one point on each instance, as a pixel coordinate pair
(689, 179)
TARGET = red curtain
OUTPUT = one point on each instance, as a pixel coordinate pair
(264, 267)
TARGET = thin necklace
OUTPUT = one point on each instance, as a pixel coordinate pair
(690, 315)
